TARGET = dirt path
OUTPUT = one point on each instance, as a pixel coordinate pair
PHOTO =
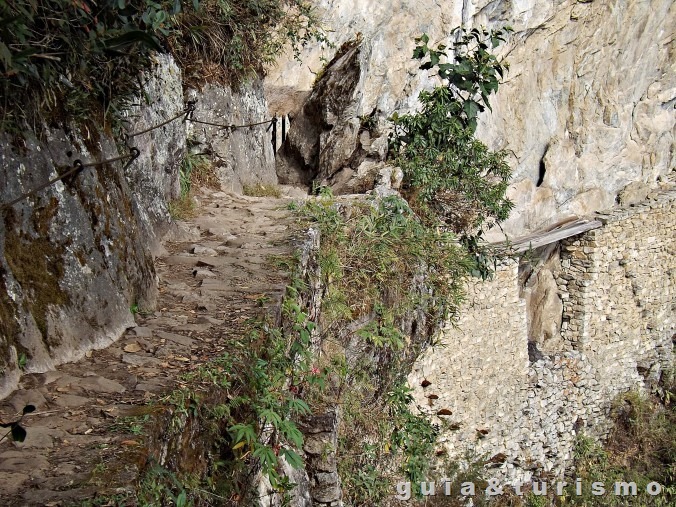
(216, 275)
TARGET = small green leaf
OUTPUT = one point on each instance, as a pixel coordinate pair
(298, 406)
(471, 109)
(419, 52)
(292, 458)
(266, 456)
(5, 56)
(271, 417)
(291, 433)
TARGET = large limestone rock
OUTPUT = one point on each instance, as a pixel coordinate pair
(328, 143)
(586, 109)
(244, 156)
(155, 174)
(73, 259)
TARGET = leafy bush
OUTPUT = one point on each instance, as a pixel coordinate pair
(256, 391)
(70, 58)
(64, 60)
(449, 176)
(232, 40)
(372, 255)
(380, 267)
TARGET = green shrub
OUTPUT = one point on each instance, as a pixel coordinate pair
(75, 60)
(65, 59)
(232, 40)
(380, 265)
(451, 178)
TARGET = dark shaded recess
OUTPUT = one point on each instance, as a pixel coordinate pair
(331, 93)
(542, 169)
(533, 353)
(541, 175)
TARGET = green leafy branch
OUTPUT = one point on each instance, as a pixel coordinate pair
(451, 179)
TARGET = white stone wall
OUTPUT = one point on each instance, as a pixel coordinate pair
(479, 371)
(617, 285)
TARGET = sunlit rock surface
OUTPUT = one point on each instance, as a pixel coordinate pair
(586, 109)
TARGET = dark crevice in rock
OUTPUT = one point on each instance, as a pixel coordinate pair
(542, 168)
(325, 134)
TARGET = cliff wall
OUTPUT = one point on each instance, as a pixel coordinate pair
(76, 259)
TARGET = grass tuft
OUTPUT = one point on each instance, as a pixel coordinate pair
(260, 190)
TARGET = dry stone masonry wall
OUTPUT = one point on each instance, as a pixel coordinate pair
(520, 397)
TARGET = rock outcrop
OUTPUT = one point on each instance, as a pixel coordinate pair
(243, 156)
(586, 109)
(76, 258)
(154, 176)
(328, 144)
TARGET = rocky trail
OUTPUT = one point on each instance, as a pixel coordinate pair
(216, 274)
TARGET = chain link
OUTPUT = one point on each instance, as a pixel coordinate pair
(186, 114)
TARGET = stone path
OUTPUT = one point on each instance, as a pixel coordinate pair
(215, 276)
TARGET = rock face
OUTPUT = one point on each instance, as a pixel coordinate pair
(155, 174)
(243, 156)
(586, 109)
(328, 143)
(76, 257)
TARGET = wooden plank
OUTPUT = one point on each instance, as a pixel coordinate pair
(539, 239)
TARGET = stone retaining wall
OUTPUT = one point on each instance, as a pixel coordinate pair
(521, 398)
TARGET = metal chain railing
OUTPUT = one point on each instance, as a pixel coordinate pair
(77, 167)
(134, 153)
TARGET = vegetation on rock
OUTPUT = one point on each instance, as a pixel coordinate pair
(65, 60)
(393, 269)
(388, 281)
(451, 178)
